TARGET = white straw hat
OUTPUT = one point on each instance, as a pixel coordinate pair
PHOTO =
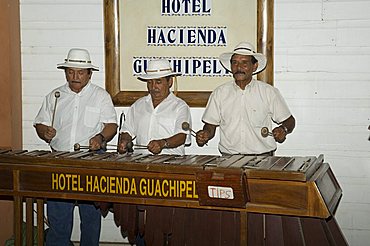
(244, 48)
(158, 69)
(78, 58)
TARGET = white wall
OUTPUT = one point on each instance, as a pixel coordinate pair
(322, 55)
(322, 52)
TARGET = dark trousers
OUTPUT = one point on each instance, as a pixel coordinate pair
(60, 218)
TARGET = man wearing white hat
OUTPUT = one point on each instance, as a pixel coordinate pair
(155, 121)
(76, 112)
(242, 107)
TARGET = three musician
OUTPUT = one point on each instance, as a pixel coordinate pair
(81, 112)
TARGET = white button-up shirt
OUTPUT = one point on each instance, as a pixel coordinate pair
(147, 123)
(78, 116)
(242, 113)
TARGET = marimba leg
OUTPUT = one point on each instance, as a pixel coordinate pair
(40, 221)
(18, 219)
(29, 221)
(243, 228)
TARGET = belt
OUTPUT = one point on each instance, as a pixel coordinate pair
(269, 153)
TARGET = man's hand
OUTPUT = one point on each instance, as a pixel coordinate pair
(96, 142)
(279, 134)
(122, 146)
(156, 146)
(49, 134)
(124, 139)
(202, 137)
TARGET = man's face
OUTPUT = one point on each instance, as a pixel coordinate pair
(242, 67)
(77, 78)
(159, 89)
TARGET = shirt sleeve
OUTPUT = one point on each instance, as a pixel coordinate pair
(183, 115)
(212, 112)
(45, 113)
(280, 108)
(129, 124)
(108, 112)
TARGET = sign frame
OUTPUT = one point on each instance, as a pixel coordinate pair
(265, 41)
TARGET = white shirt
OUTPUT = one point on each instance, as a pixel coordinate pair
(147, 123)
(242, 113)
(78, 116)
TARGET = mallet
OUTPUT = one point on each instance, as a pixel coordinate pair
(265, 132)
(78, 147)
(57, 95)
(104, 145)
(130, 145)
(186, 127)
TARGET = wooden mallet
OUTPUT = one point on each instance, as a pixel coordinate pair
(130, 145)
(265, 132)
(57, 95)
(186, 127)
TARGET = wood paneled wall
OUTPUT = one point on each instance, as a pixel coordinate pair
(10, 96)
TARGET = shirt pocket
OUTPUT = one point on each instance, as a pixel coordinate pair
(167, 126)
(258, 117)
(92, 116)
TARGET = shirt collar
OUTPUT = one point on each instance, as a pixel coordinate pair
(248, 87)
(83, 91)
(149, 98)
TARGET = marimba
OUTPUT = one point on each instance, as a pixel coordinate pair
(186, 200)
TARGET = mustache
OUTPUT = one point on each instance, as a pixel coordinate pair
(239, 72)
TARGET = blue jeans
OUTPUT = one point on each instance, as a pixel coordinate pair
(60, 217)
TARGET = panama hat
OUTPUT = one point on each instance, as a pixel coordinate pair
(244, 48)
(78, 58)
(158, 69)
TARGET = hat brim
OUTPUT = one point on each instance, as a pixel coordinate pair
(145, 77)
(226, 57)
(77, 65)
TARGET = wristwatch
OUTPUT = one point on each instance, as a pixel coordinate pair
(102, 137)
(166, 144)
(285, 129)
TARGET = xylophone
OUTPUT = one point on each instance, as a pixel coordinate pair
(186, 200)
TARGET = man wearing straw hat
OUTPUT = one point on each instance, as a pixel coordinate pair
(155, 121)
(76, 112)
(242, 107)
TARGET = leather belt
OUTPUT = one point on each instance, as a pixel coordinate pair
(269, 153)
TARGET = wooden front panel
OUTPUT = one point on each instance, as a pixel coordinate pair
(102, 185)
